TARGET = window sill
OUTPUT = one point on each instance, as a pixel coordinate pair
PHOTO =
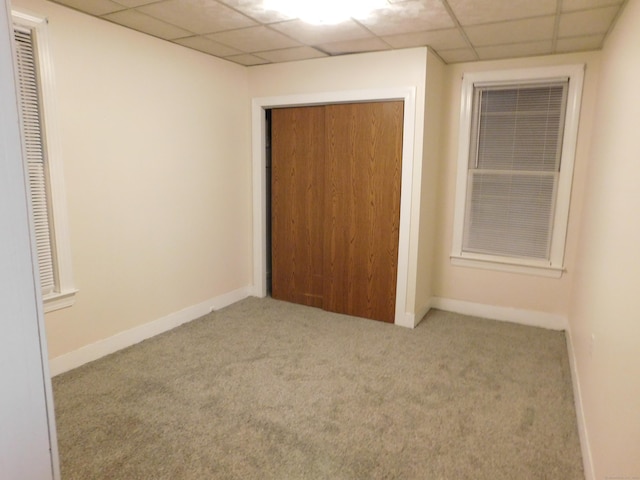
(507, 265)
(59, 300)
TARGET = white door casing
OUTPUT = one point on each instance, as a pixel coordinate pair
(259, 105)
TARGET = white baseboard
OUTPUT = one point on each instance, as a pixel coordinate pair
(407, 321)
(420, 314)
(587, 459)
(531, 318)
(411, 320)
(535, 319)
(104, 347)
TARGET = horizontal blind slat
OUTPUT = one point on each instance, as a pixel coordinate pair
(513, 169)
(31, 125)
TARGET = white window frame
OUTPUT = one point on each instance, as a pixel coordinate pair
(554, 267)
(64, 293)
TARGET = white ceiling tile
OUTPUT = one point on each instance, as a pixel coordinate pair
(410, 16)
(569, 5)
(515, 50)
(317, 34)
(576, 44)
(517, 31)
(291, 54)
(93, 7)
(457, 55)
(586, 22)
(239, 28)
(354, 46)
(447, 39)
(134, 3)
(246, 59)
(144, 23)
(208, 46)
(255, 10)
(472, 12)
(199, 16)
(254, 39)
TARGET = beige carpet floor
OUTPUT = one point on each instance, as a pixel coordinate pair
(269, 390)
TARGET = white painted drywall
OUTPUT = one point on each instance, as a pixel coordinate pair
(501, 289)
(605, 304)
(155, 140)
(431, 166)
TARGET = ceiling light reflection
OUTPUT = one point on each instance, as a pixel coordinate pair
(325, 12)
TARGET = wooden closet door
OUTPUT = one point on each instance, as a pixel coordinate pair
(362, 208)
(335, 202)
(297, 198)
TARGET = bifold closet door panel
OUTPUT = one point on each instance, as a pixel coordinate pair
(297, 198)
(363, 170)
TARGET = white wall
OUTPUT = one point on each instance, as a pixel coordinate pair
(605, 303)
(26, 414)
(155, 140)
(542, 296)
(431, 165)
(371, 71)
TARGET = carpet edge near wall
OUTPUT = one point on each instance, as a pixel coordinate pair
(119, 341)
(122, 340)
(93, 351)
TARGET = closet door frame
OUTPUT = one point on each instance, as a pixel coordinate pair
(259, 105)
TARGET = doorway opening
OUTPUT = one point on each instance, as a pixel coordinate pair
(261, 218)
(267, 172)
(335, 202)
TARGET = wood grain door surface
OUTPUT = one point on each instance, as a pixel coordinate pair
(297, 199)
(336, 175)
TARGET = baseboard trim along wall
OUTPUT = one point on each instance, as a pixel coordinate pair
(411, 320)
(125, 339)
(587, 460)
(531, 318)
(535, 319)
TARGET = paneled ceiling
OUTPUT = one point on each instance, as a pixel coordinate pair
(242, 31)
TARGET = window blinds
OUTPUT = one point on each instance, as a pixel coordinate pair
(31, 124)
(514, 165)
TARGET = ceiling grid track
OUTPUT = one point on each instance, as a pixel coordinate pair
(244, 32)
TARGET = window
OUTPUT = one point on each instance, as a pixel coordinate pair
(518, 132)
(46, 186)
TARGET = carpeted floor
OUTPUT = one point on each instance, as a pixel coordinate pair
(269, 390)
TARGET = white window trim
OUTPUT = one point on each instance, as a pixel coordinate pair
(64, 296)
(554, 267)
